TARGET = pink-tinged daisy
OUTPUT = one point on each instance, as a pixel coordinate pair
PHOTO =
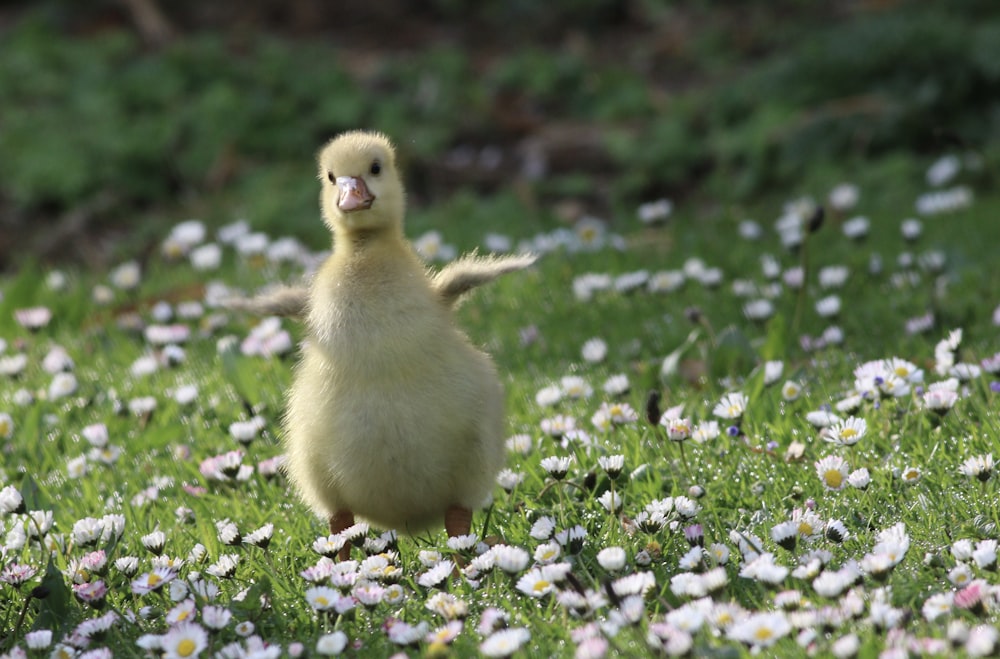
(216, 617)
(939, 400)
(33, 318)
(982, 641)
(39, 639)
(16, 574)
(678, 430)
(154, 580)
(92, 592)
(505, 642)
(404, 634)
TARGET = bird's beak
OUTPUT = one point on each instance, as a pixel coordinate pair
(354, 194)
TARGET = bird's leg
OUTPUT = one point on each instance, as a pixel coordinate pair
(457, 521)
(340, 520)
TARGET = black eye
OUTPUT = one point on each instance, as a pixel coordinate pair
(333, 179)
(375, 168)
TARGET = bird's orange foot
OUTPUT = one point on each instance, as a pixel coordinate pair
(340, 520)
(457, 521)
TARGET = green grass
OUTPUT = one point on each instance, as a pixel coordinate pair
(750, 483)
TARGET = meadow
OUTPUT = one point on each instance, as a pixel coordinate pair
(763, 429)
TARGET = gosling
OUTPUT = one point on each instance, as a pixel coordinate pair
(393, 417)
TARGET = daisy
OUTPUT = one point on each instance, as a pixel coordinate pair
(618, 384)
(910, 475)
(705, 431)
(979, 467)
(791, 390)
(321, 598)
(225, 567)
(508, 479)
(505, 642)
(154, 542)
(556, 466)
(126, 276)
(261, 537)
(678, 430)
(612, 559)
(33, 318)
(832, 471)
(856, 228)
(773, 371)
(611, 464)
(732, 406)
(218, 617)
(847, 432)
(594, 350)
(558, 425)
(611, 501)
(760, 630)
(574, 386)
(11, 500)
(330, 645)
(653, 212)
(154, 580)
(843, 197)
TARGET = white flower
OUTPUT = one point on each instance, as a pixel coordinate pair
(847, 432)
(62, 385)
(126, 276)
(911, 228)
(206, 257)
(653, 212)
(612, 558)
(773, 371)
(431, 247)
(594, 350)
(760, 629)
(505, 642)
(943, 170)
(791, 390)
(732, 406)
(856, 227)
(611, 500)
(828, 306)
(843, 197)
(330, 645)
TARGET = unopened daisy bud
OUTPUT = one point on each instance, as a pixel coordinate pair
(836, 531)
(653, 413)
(695, 535)
(11, 500)
(816, 219)
(261, 537)
(229, 534)
(556, 466)
(154, 542)
(612, 464)
(785, 534)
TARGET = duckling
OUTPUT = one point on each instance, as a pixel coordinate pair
(393, 415)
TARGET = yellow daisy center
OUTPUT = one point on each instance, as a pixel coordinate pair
(186, 647)
(154, 580)
(763, 634)
(541, 585)
(848, 433)
(833, 478)
(322, 601)
(805, 528)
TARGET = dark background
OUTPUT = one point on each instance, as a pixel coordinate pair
(120, 118)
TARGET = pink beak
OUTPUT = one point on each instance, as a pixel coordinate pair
(354, 194)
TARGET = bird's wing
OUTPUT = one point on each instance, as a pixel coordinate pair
(287, 301)
(461, 276)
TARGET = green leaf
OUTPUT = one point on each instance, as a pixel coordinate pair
(53, 610)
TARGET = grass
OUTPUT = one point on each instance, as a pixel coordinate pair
(737, 486)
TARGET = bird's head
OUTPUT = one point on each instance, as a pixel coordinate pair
(361, 188)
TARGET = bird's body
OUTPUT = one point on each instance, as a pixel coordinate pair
(393, 415)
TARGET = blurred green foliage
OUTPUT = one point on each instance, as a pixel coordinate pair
(83, 116)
